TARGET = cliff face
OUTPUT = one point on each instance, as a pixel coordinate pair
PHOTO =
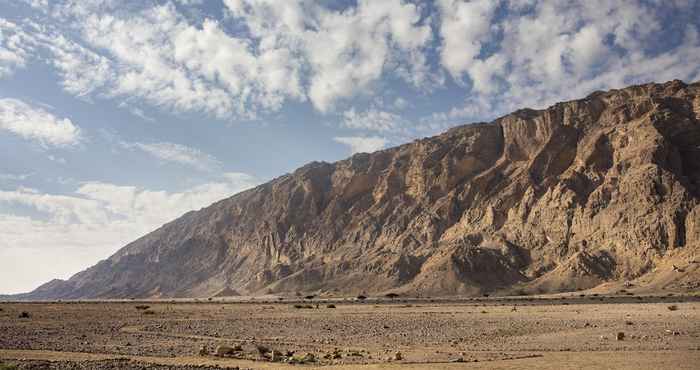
(606, 188)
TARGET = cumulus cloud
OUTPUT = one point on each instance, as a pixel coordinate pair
(36, 124)
(344, 51)
(540, 52)
(88, 224)
(177, 153)
(264, 54)
(464, 29)
(359, 144)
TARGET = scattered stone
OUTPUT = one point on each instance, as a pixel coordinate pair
(620, 336)
(303, 358)
(224, 350)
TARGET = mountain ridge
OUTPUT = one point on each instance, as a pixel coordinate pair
(586, 192)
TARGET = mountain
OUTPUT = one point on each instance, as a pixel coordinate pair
(602, 190)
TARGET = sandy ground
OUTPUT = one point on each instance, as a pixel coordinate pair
(553, 333)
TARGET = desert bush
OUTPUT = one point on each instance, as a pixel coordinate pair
(361, 297)
(330, 306)
(300, 306)
(149, 312)
(4, 366)
(142, 307)
(672, 307)
(391, 296)
(24, 315)
(262, 350)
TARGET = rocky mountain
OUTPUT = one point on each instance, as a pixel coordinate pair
(602, 190)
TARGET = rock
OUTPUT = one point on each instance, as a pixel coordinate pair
(203, 351)
(398, 356)
(475, 208)
(224, 350)
(620, 336)
(303, 358)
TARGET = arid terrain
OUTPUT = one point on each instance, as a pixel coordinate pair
(605, 189)
(548, 332)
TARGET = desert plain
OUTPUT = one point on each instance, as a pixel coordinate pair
(546, 332)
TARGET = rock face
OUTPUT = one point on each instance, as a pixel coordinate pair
(601, 189)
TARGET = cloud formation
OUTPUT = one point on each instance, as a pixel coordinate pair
(360, 144)
(264, 54)
(36, 124)
(177, 153)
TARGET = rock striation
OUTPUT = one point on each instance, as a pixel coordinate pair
(598, 190)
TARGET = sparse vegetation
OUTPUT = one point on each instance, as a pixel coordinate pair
(4, 366)
(142, 307)
(391, 296)
(330, 306)
(310, 297)
(149, 312)
(24, 315)
(361, 297)
(305, 306)
(672, 307)
(262, 349)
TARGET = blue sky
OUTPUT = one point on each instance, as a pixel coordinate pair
(117, 116)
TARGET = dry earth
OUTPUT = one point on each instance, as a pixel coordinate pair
(551, 332)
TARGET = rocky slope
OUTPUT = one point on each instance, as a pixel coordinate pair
(599, 190)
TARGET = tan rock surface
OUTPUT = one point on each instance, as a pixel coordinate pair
(599, 190)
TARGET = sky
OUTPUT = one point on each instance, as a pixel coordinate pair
(117, 116)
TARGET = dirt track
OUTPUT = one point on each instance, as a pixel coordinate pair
(483, 334)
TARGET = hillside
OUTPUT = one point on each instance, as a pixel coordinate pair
(601, 190)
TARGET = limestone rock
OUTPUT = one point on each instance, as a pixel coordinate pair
(584, 192)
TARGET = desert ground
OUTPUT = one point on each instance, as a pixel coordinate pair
(549, 332)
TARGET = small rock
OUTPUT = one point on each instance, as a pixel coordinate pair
(620, 336)
(224, 350)
(398, 356)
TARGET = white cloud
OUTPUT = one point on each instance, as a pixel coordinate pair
(16, 46)
(177, 153)
(76, 230)
(359, 144)
(464, 29)
(372, 119)
(36, 124)
(82, 70)
(551, 51)
(345, 51)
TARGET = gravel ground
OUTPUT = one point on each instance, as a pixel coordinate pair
(352, 333)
